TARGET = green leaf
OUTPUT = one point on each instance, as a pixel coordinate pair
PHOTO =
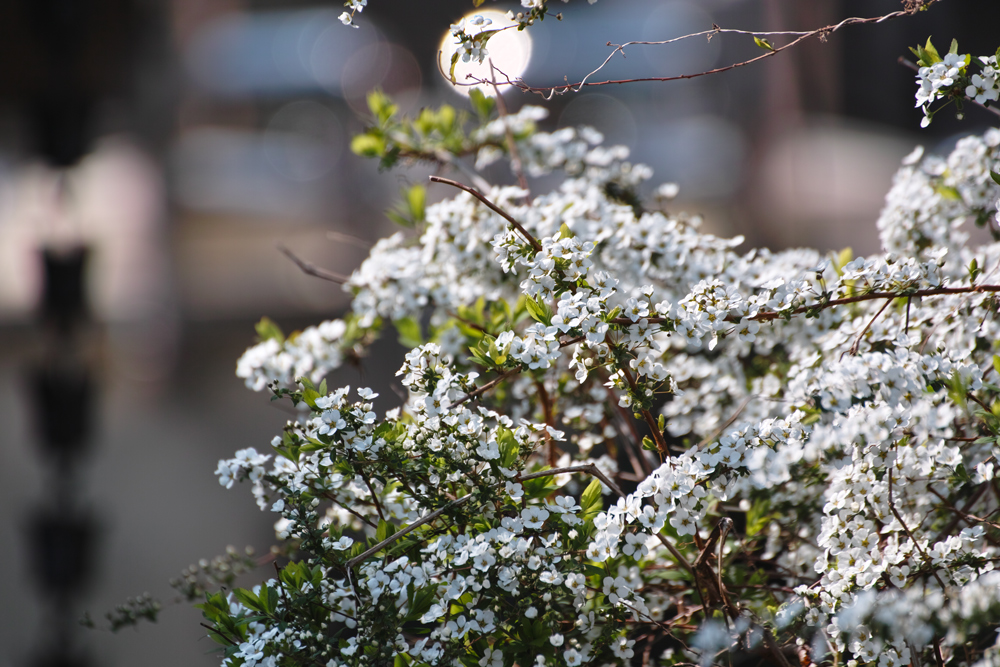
(956, 390)
(368, 145)
(423, 598)
(763, 43)
(842, 258)
(481, 357)
(648, 444)
(384, 530)
(954, 47)
(496, 356)
(409, 332)
(266, 330)
(270, 600)
(974, 270)
(509, 447)
(758, 516)
(482, 104)
(962, 474)
(565, 232)
(539, 487)
(996, 363)
(931, 52)
(248, 599)
(540, 312)
(995, 176)
(591, 502)
(381, 106)
(416, 198)
(445, 118)
(948, 192)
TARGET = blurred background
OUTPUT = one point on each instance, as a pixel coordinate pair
(155, 153)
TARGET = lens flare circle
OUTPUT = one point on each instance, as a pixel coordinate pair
(509, 50)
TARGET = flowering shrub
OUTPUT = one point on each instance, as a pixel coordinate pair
(625, 441)
(952, 78)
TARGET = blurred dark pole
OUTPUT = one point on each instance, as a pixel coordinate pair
(72, 56)
(61, 108)
(61, 535)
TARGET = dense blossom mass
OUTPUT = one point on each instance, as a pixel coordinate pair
(629, 441)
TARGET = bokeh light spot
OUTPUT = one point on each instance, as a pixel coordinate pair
(509, 50)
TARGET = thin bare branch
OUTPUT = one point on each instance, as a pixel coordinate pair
(589, 468)
(661, 444)
(906, 63)
(506, 374)
(728, 422)
(857, 339)
(767, 316)
(493, 207)
(413, 526)
(486, 387)
(799, 36)
(515, 157)
(349, 239)
(916, 544)
(312, 269)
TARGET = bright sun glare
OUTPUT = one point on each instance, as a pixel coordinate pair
(509, 50)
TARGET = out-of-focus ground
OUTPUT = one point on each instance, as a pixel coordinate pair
(213, 132)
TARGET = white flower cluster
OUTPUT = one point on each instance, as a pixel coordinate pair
(931, 197)
(950, 77)
(681, 488)
(984, 87)
(465, 31)
(355, 7)
(312, 353)
(842, 409)
(934, 81)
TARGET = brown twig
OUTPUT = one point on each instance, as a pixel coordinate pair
(378, 506)
(549, 91)
(493, 207)
(515, 157)
(486, 387)
(962, 513)
(661, 444)
(895, 513)
(717, 593)
(682, 561)
(766, 316)
(312, 269)
(774, 649)
(211, 629)
(853, 351)
(349, 239)
(413, 526)
(548, 417)
(589, 468)
(728, 422)
(506, 374)
(938, 658)
(333, 498)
